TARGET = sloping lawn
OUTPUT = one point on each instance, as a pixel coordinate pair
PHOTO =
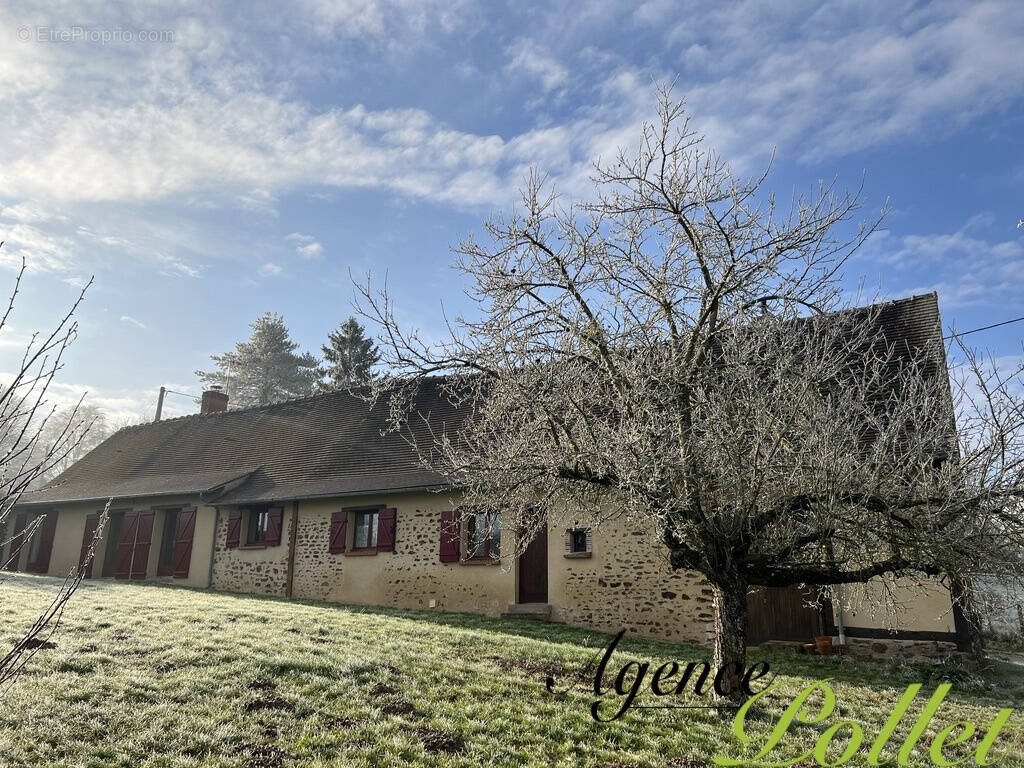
(162, 676)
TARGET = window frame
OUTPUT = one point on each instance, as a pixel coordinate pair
(469, 525)
(571, 535)
(263, 511)
(371, 542)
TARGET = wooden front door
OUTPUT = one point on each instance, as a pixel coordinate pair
(782, 613)
(533, 570)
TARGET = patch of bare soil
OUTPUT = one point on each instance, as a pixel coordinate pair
(382, 689)
(261, 684)
(343, 722)
(687, 762)
(397, 707)
(34, 642)
(269, 702)
(438, 740)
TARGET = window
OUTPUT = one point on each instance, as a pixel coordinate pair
(258, 524)
(254, 527)
(366, 530)
(578, 542)
(483, 535)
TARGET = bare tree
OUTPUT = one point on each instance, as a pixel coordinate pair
(87, 427)
(34, 440)
(677, 354)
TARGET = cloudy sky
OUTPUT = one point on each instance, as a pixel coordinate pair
(209, 164)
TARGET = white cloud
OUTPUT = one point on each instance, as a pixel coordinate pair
(852, 76)
(307, 246)
(529, 57)
(132, 321)
(29, 213)
(42, 251)
(966, 269)
(269, 270)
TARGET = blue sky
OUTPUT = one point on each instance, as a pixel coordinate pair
(208, 164)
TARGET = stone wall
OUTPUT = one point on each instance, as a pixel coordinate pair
(628, 584)
(260, 570)
(410, 577)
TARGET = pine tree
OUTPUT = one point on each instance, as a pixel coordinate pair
(266, 368)
(350, 357)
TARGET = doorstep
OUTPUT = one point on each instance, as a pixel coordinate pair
(532, 611)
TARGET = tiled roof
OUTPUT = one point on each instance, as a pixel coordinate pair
(327, 445)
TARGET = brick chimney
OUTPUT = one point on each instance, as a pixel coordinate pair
(214, 401)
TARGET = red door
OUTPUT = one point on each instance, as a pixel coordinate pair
(186, 529)
(533, 570)
(143, 539)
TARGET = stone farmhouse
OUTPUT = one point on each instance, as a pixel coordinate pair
(307, 499)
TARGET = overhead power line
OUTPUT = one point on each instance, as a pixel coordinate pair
(983, 328)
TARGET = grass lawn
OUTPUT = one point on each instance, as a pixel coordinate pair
(163, 676)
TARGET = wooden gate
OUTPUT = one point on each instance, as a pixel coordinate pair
(782, 613)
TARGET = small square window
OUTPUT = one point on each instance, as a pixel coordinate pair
(578, 540)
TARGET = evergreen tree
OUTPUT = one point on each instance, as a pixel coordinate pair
(350, 357)
(266, 368)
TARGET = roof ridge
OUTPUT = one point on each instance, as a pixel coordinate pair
(252, 408)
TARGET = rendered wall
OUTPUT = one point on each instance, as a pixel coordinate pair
(67, 541)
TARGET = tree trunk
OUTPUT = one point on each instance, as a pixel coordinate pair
(731, 638)
(968, 622)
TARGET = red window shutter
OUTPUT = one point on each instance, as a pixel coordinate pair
(450, 537)
(126, 546)
(17, 540)
(47, 532)
(274, 517)
(386, 530)
(234, 527)
(85, 559)
(183, 535)
(339, 532)
(143, 539)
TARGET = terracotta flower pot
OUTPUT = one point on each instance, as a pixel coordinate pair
(824, 644)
